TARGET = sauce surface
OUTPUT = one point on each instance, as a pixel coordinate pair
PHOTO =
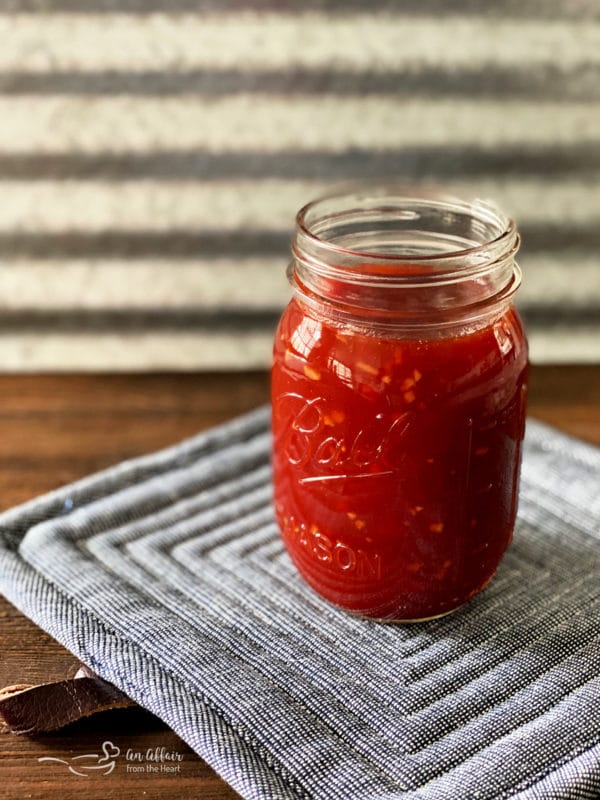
(396, 460)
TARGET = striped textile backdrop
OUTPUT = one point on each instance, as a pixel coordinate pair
(153, 153)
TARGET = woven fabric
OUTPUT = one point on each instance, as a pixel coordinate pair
(166, 575)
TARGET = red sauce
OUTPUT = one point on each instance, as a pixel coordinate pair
(396, 460)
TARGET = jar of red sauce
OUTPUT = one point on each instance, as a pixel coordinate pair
(398, 390)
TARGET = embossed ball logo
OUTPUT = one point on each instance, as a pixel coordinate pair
(318, 440)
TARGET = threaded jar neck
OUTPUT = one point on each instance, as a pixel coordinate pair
(404, 257)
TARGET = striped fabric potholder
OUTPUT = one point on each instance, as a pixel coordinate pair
(166, 575)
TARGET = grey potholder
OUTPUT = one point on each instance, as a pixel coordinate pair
(166, 575)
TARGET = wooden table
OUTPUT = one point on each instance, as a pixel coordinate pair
(54, 429)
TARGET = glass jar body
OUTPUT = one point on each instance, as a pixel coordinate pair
(396, 456)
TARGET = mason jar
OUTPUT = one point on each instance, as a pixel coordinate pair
(398, 393)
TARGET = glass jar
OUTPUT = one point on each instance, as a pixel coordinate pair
(398, 391)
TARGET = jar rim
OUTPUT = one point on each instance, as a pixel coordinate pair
(409, 254)
(504, 240)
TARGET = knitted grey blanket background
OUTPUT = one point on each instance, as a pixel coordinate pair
(166, 575)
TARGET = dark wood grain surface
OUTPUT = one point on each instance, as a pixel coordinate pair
(55, 429)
